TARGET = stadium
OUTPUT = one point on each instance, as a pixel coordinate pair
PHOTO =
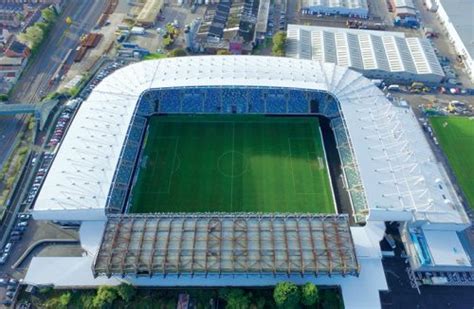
(206, 170)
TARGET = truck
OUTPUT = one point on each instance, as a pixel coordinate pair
(138, 31)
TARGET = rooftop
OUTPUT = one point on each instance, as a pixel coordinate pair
(352, 4)
(363, 50)
(149, 11)
(10, 61)
(445, 248)
(148, 245)
(460, 15)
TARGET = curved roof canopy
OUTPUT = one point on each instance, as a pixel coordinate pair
(400, 175)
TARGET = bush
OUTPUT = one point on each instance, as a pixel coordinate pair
(126, 292)
(235, 298)
(286, 294)
(3, 97)
(105, 296)
(309, 294)
(177, 52)
(331, 299)
(223, 52)
(279, 41)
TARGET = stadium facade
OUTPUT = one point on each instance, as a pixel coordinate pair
(388, 167)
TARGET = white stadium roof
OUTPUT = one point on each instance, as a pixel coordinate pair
(400, 175)
(363, 50)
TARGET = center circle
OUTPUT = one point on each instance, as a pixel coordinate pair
(232, 164)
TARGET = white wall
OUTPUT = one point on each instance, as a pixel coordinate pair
(455, 39)
(70, 214)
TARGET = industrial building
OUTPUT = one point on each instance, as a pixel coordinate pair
(377, 55)
(149, 13)
(456, 17)
(388, 167)
(403, 8)
(351, 8)
(229, 26)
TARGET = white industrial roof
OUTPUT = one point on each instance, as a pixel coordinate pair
(363, 49)
(350, 4)
(445, 248)
(398, 170)
(404, 3)
(460, 14)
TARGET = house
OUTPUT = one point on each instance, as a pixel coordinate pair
(11, 68)
(17, 49)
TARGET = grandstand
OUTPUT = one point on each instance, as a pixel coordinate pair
(387, 169)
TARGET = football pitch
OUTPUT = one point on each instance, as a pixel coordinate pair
(456, 137)
(232, 164)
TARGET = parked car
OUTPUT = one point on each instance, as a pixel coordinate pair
(6, 302)
(15, 238)
(11, 288)
(12, 281)
(3, 258)
(7, 247)
(24, 216)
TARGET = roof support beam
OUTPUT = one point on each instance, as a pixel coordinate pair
(153, 248)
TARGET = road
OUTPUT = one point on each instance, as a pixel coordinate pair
(34, 81)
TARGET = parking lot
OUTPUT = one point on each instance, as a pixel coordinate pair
(101, 74)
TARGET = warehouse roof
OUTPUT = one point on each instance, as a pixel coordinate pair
(150, 10)
(351, 4)
(147, 245)
(398, 170)
(363, 49)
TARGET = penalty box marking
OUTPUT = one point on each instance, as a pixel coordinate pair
(310, 156)
(172, 169)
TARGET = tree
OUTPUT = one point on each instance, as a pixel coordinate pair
(32, 36)
(279, 41)
(286, 294)
(126, 292)
(223, 52)
(235, 298)
(105, 296)
(65, 299)
(177, 52)
(48, 15)
(60, 302)
(309, 294)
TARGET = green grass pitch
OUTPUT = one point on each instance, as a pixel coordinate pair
(232, 164)
(456, 137)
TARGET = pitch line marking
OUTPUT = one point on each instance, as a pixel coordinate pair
(232, 168)
(172, 165)
(291, 164)
(292, 169)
